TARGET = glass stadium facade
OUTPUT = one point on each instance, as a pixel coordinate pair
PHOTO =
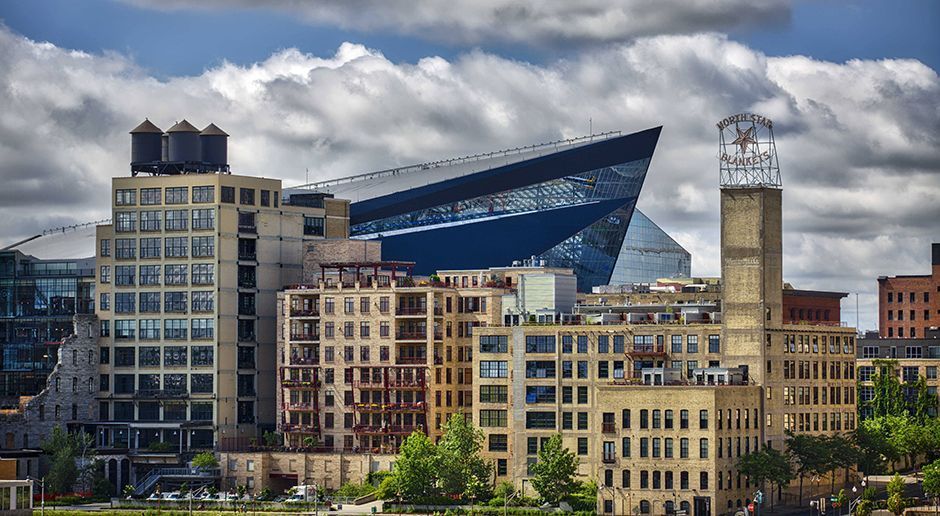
(569, 203)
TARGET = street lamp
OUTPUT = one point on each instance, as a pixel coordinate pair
(42, 495)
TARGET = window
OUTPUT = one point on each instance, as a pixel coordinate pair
(603, 343)
(174, 275)
(124, 357)
(540, 344)
(540, 394)
(703, 480)
(149, 196)
(228, 194)
(494, 344)
(539, 368)
(202, 194)
(703, 448)
(203, 246)
(125, 221)
(703, 419)
(493, 369)
(105, 248)
(536, 420)
(246, 196)
(714, 343)
(203, 273)
(582, 369)
(313, 226)
(692, 344)
(498, 442)
(266, 197)
(150, 220)
(618, 344)
(174, 329)
(176, 195)
(175, 220)
(150, 247)
(175, 356)
(493, 418)
(124, 329)
(493, 393)
(644, 447)
(149, 330)
(684, 448)
(582, 446)
(125, 197)
(105, 274)
(125, 248)
(203, 328)
(582, 420)
(204, 218)
(149, 303)
(175, 247)
(149, 274)
(203, 355)
(582, 344)
(124, 302)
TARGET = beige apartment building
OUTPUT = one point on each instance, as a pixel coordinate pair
(911, 359)
(187, 278)
(367, 354)
(660, 399)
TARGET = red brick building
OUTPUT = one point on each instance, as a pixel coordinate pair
(815, 306)
(909, 305)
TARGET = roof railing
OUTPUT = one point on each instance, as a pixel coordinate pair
(457, 161)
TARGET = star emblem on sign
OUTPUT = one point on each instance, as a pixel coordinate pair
(744, 139)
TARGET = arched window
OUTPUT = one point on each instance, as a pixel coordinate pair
(670, 507)
(74, 384)
(685, 506)
(644, 507)
(57, 412)
(91, 357)
(57, 384)
(74, 357)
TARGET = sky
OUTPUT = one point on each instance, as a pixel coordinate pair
(339, 87)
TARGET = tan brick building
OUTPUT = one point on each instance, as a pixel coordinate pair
(187, 278)
(910, 359)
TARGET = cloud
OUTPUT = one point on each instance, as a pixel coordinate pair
(859, 142)
(527, 22)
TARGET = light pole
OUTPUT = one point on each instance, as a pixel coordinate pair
(42, 495)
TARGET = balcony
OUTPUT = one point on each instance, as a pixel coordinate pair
(246, 282)
(411, 335)
(609, 428)
(417, 406)
(296, 428)
(411, 360)
(304, 361)
(246, 228)
(298, 312)
(301, 407)
(392, 429)
(300, 337)
(246, 337)
(298, 383)
(407, 383)
(411, 311)
(161, 394)
(648, 350)
(247, 255)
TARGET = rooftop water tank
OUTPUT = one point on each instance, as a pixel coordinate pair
(146, 144)
(183, 142)
(214, 143)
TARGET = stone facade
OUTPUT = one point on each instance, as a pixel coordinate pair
(338, 250)
(280, 471)
(67, 400)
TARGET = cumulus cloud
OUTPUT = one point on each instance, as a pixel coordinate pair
(528, 22)
(858, 141)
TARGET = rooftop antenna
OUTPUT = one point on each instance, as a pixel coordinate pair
(307, 175)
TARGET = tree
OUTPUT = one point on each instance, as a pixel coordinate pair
(896, 494)
(842, 453)
(462, 470)
(810, 455)
(63, 449)
(767, 465)
(924, 403)
(888, 397)
(415, 475)
(205, 460)
(554, 472)
(931, 482)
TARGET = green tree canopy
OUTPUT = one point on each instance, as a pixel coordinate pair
(462, 470)
(767, 465)
(932, 479)
(554, 472)
(205, 460)
(810, 455)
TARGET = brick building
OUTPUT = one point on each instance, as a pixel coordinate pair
(910, 305)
